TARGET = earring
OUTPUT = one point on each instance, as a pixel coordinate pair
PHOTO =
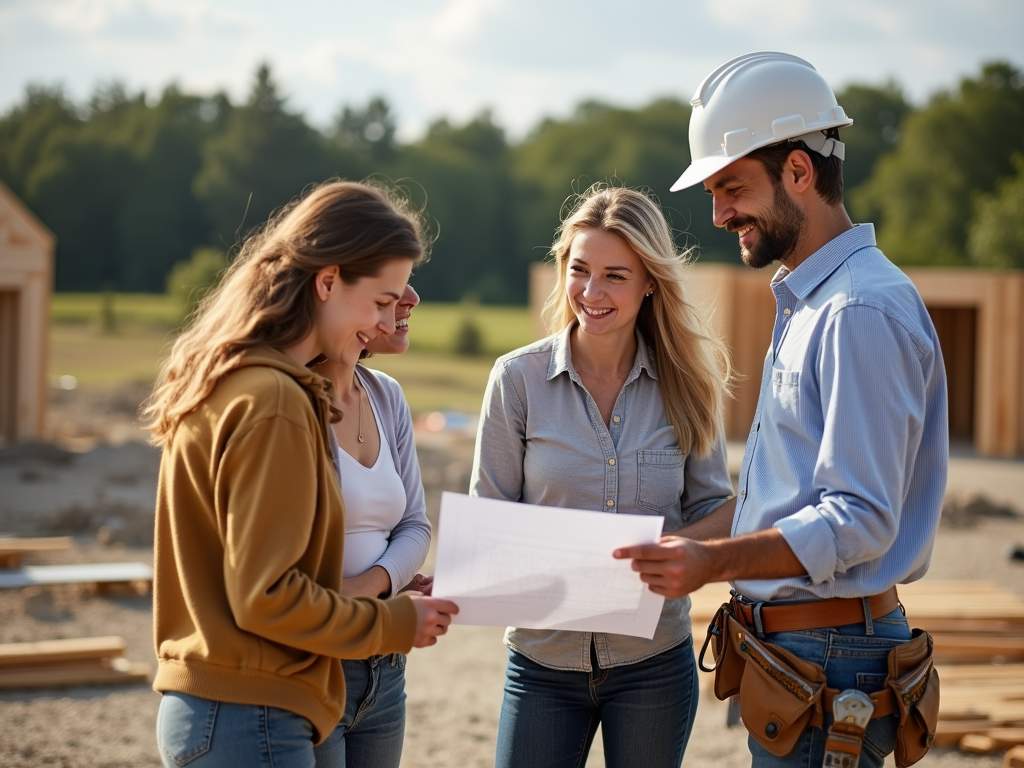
(649, 293)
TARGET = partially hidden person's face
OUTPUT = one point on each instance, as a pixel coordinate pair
(605, 282)
(353, 316)
(397, 342)
(747, 202)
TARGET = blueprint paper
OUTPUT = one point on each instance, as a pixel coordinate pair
(521, 565)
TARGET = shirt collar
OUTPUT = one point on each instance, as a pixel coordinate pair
(561, 357)
(823, 262)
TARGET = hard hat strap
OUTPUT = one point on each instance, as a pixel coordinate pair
(826, 147)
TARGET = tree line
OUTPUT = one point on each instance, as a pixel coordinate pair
(133, 186)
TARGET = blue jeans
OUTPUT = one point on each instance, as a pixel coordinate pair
(202, 733)
(371, 732)
(851, 658)
(549, 716)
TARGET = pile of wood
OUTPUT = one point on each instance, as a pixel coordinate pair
(978, 628)
(78, 661)
(58, 663)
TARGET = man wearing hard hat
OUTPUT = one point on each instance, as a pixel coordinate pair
(844, 472)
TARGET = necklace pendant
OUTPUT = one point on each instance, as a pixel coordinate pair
(360, 438)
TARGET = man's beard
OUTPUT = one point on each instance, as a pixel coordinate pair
(778, 231)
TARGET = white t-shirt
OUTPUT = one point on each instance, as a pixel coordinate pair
(374, 503)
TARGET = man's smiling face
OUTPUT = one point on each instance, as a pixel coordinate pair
(747, 202)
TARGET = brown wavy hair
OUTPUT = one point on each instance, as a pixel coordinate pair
(266, 295)
(694, 371)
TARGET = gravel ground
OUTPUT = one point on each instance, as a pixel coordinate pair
(104, 498)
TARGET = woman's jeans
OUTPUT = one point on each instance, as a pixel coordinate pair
(372, 730)
(549, 717)
(851, 658)
(201, 733)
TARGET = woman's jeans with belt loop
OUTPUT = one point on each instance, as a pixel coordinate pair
(371, 732)
(851, 658)
(201, 733)
(646, 709)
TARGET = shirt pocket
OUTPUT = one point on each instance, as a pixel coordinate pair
(659, 483)
(786, 390)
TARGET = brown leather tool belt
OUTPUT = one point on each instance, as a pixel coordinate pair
(815, 614)
(781, 694)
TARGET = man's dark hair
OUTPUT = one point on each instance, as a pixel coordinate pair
(828, 171)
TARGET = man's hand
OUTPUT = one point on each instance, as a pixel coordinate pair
(674, 567)
(677, 566)
(433, 615)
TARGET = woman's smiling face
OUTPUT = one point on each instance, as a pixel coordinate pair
(605, 282)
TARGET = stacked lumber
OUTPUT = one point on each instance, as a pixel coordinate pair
(12, 548)
(58, 663)
(978, 628)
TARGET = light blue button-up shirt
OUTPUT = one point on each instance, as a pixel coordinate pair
(848, 451)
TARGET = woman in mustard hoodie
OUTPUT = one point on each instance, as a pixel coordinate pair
(249, 618)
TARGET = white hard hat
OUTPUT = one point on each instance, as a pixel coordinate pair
(755, 100)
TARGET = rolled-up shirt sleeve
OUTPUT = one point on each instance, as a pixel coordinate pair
(872, 401)
(707, 484)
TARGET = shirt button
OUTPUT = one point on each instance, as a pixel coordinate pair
(616, 419)
(610, 502)
(743, 494)
(786, 311)
(612, 462)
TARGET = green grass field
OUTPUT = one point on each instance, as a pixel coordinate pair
(125, 341)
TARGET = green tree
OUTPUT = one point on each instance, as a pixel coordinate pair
(878, 114)
(460, 175)
(637, 148)
(26, 127)
(996, 234)
(263, 159)
(367, 132)
(190, 280)
(921, 196)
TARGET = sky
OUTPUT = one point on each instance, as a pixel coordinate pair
(522, 59)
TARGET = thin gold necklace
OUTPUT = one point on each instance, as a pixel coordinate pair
(359, 426)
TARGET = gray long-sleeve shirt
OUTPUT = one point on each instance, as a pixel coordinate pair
(542, 440)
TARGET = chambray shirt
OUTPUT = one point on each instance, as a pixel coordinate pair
(848, 451)
(542, 440)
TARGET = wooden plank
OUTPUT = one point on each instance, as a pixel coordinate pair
(45, 544)
(949, 732)
(49, 651)
(1014, 758)
(69, 675)
(90, 573)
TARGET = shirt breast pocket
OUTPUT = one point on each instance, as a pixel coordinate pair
(659, 483)
(786, 390)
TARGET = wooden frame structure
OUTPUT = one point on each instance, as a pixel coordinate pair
(26, 278)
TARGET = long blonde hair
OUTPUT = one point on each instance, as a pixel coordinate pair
(266, 295)
(693, 365)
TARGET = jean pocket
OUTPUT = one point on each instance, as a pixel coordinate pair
(659, 482)
(185, 726)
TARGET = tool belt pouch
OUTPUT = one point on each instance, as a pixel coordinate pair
(915, 686)
(780, 694)
(729, 661)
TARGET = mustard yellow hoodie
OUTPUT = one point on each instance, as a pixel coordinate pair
(248, 553)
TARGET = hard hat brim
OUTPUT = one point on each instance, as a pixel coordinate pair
(702, 169)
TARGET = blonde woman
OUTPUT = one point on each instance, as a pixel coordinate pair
(249, 617)
(618, 411)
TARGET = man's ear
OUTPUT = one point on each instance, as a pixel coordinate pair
(325, 281)
(798, 171)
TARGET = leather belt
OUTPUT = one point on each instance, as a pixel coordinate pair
(814, 614)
